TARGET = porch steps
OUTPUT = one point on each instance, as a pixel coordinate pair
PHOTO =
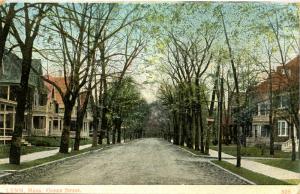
(287, 146)
(26, 143)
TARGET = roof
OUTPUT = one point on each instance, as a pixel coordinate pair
(52, 91)
(279, 79)
(12, 71)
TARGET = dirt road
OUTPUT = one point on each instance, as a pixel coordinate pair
(144, 161)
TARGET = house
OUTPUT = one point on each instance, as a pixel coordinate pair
(283, 78)
(44, 109)
(9, 83)
(55, 112)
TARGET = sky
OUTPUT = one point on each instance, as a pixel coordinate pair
(146, 68)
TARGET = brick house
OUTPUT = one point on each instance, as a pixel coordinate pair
(283, 78)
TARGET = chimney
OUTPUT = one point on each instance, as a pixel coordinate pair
(60, 74)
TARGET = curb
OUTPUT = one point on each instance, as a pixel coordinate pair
(240, 177)
(59, 160)
(6, 178)
(204, 156)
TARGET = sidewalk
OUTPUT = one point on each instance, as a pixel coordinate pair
(267, 170)
(39, 155)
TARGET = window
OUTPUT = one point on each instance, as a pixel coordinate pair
(286, 72)
(1, 120)
(9, 120)
(2, 70)
(56, 107)
(36, 98)
(2, 107)
(55, 124)
(43, 99)
(39, 122)
(282, 128)
(284, 102)
(73, 125)
(9, 108)
(13, 93)
(3, 92)
(265, 131)
(263, 108)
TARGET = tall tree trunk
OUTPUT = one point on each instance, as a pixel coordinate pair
(79, 123)
(196, 120)
(201, 127)
(175, 128)
(182, 114)
(6, 23)
(64, 143)
(119, 134)
(211, 110)
(95, 122)
(95, 132)
(114, 135)
(271, 127)
(80, 117)
(189, 142)
(236, 83)
(293, 143)
(15, 148)
(196, 117)
(190, 116)
(220, 108)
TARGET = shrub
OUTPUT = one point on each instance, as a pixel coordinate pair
(52, 141)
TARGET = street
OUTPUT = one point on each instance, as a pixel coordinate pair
(144, 161)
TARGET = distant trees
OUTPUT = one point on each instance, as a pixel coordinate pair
(128, 111)
(235, 44)
(186, 62)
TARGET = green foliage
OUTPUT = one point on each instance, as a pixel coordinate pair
(126, 102)
(52, 141)
(253, 152)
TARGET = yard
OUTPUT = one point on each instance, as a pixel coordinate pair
(53, 141)
(4, 150)
(253, 152)
(285, 164)
(257, 178)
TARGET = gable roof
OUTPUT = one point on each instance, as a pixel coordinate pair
(279, 79)
(13, 68)
(52, 91)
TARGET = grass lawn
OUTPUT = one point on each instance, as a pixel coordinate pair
(285, 164)
(193, 151)
(45, 160)
(252, 152)
(4, 150)
(53, 141)
(257, 178)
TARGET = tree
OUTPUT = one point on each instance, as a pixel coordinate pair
(79, 45)
(6, 18)
(31, 24)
